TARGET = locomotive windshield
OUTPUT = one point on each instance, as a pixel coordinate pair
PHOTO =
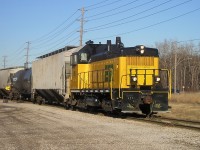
(83, 57)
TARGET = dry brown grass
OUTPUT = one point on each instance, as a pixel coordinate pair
(193, 98)
(185, 106)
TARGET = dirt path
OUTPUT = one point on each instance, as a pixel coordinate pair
(25, 126)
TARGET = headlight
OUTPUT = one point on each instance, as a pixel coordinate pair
(140, 49)
(157, 79)
(134, 78)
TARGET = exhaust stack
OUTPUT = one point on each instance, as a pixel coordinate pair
(109, 45)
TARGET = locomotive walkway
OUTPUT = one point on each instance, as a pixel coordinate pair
(27, 126)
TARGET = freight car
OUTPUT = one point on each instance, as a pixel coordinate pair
(50, 76)
(21, 85)
(6, 76)
(103, 76)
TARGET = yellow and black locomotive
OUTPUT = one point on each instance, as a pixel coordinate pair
(117, 78)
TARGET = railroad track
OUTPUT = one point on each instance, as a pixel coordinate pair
(179, 122)
(164, 121)
(171, 122)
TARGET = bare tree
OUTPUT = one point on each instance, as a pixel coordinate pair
(185, 58)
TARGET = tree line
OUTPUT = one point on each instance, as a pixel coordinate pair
(183, 59)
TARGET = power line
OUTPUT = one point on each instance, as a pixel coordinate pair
(52, 38)
(120, 12)
(119, 7)
(104, 5)
(149, 26)
(188, 40)
(131, 15)
(17, 57)
(46, 51)
(55, 28)
(96, 4)
(19, 48)
(101, 26)
(17, 51)
(62, 39)
(63, 23)
(46, 36)
(56, 34)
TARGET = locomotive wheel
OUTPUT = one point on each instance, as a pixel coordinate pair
(91, 110)
(73, 107)
(40, 102)
(10, 96)
(117, 113)
(107, 106)
(146, 109)
(66, 106)
(34, 101)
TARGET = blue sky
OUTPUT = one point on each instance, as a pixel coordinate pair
(52, 24)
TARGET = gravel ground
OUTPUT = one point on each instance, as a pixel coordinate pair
(25, 126)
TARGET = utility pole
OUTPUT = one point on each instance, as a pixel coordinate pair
(27, 54)
(4, 61)
(175, 61)
(81, 27)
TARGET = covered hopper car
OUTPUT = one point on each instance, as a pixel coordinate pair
(50, 76)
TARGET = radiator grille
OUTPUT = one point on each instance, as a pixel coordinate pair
(140, 61)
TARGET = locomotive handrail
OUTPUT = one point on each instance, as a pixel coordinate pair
(111, 86)
(120, 85)
(110, 80)
(126, 75)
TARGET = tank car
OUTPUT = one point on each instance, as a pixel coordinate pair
(5, 80)
(21, 85)
(118, 79)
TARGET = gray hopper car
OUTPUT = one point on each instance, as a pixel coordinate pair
(50, 73)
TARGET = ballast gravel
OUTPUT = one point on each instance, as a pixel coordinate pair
(27, 126)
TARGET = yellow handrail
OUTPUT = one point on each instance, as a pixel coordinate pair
(111, 86)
